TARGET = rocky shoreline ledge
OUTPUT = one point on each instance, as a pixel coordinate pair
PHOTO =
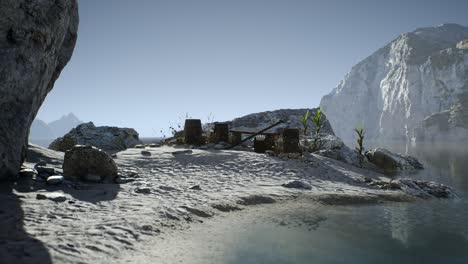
(167, 188)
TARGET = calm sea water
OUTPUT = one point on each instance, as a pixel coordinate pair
(424, 232)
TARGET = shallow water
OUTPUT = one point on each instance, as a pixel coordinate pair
(424, 232)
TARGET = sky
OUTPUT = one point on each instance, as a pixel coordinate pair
(147, 64)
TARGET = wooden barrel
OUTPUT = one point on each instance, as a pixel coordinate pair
(193, 132)
(221, 132)
(291, 140)
(260, 145)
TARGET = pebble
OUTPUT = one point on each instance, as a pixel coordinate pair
(27, 173)
(145, 153)
(139, 146)
(144, 190)
(295, 184)
(54, 180)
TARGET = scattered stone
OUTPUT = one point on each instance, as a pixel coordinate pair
(425, 189)
(40, 196)
(56, 197)
(226, 207)
(145, 153)
(256, 199)
(82, 161)
(143, 190)
(154, 145)
(170, 216)
(195, 187)
(189, 151)
(270, 153)
(55, 180)
(296, 184)
(29, 173)
(107, 138)
(392, 162)
(139, 146)
(114, 156)
(196, 212)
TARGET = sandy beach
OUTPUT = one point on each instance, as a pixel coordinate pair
(172, 190)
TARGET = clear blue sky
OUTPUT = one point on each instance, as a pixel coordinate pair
(145, 63)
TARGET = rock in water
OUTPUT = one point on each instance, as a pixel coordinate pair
(392, 162)
(86, 162)
(37, 41)
(104, 137)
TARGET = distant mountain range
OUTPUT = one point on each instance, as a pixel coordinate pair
(43, 133)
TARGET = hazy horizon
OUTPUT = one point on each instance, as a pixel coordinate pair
(144, 64)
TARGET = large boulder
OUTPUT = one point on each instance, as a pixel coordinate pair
(392, 162)
(104, 137)
(87, 163)
(37, 39)
(258, 121)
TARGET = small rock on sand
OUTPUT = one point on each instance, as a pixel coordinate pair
(226, 207)
(195, 187)
(196, 211)
(256, 199)
(27, 173)
(296, 184)
(45, 170)
(56, 197)
(145, 153)
(55, 180)
(140, 146)
(189, 151)
(144, 190)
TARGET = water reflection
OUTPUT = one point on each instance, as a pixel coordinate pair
(424, 232)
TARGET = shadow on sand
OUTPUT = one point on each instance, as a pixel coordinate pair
(16, 245)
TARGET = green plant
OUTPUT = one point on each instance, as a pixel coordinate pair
(360, 142)
(304, 123)
(317, 120)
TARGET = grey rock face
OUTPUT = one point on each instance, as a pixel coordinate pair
(106, 138)
(37, 39)
(258, 121)
(88, 163)
(392, 162)
(416, 75)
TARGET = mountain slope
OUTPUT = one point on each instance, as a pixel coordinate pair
(396, 88)
(64, 124)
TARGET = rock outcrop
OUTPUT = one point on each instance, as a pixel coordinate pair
(86, 163)
(104, 137)
(37, 41)
(393, 90)
(448, 125)
(391, 162)
(258, 121)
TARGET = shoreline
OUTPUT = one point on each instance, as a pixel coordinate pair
(103, 221)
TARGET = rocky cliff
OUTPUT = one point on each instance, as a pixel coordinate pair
(393, 90)
(37, 39)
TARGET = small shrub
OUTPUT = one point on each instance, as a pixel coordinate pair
(304, 123)
(317, 120)
(360, 142)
